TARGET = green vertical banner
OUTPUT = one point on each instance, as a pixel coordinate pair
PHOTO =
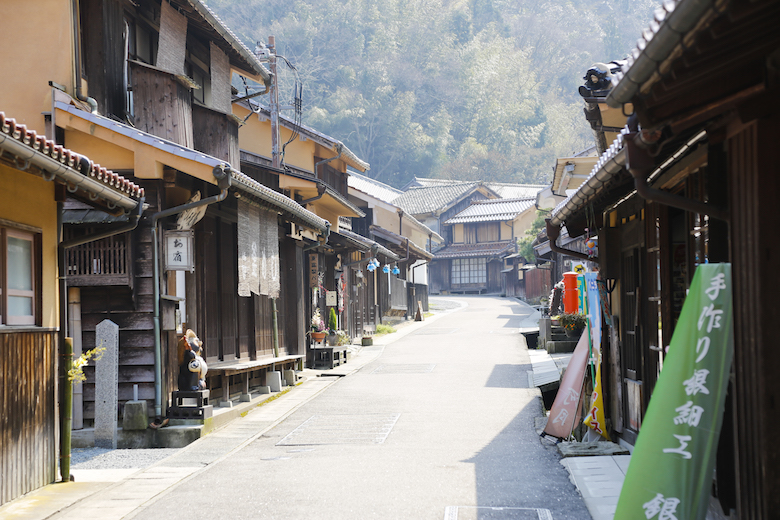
(671, 469)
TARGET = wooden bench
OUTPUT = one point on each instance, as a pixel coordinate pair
(245, 367)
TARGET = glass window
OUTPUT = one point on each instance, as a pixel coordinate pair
(18, 305)
(469, 271)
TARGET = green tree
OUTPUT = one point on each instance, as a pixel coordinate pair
(525, 244)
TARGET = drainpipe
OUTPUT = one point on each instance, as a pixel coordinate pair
(321, 188)
(326, 235)
(553, 232)
(222, 174)
(340, 149)
(131, 225)
(640, 164)
(93, 106)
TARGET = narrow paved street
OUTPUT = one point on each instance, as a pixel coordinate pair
(439, 425)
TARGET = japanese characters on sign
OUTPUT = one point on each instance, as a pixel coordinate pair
(682, 424)
(314, 270)
(178, 251)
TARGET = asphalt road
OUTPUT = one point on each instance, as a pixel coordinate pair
(440, 425)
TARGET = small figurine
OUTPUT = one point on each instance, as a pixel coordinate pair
(192, 366)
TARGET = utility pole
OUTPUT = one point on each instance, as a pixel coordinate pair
(274, 104)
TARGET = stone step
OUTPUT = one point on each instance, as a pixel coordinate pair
(560, 347)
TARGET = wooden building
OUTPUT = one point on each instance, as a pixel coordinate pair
(482, 237)
(158, 107)
(35, 174)
(692, 179)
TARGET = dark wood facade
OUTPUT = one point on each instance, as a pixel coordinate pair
(162, 105)
(718, 107)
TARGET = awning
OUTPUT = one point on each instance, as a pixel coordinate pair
(75, 171)
(285, 206)
(154, 152)
(400, 244)
(489, 250)
(366, 244)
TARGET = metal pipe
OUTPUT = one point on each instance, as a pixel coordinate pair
(553, 232)
(69, 175)
(321, 189)
(223, 176)
(93, 106)
(639, 164)
(326, 235)
(276, 328)
(134, 218)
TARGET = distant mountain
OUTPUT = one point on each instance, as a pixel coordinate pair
(465, 89)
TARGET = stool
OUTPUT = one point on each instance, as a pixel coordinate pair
(201, 410)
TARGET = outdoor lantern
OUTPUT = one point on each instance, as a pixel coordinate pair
(396, 271)
(386, 268)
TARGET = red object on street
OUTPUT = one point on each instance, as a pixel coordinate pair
(570, 293)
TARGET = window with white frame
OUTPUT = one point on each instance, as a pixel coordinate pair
(469, 271)
(19, 287)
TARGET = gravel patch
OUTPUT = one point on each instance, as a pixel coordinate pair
(104, 458)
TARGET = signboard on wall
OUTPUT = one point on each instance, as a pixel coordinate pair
(179, 254)
(330, 298)
(314, 269)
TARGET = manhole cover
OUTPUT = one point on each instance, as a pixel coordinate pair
(342, 429)
(403, 369)
(496, 513)
(435, 332)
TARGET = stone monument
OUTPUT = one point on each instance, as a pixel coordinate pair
(106, 378)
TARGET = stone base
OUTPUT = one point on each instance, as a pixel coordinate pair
(136, 416)
(561, 347)
(289, 377)
(264, 389)
(586, 449)
(274, 380)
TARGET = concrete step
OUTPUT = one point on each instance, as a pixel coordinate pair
(558, 347)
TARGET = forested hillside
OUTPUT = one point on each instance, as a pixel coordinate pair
(471, 89)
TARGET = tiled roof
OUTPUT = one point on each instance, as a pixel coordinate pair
(428, 199)
(506, 190)
(515, 191)
(489, 249)
(376, 189)
(68, 158)
(211, 18)
(492, 210)
(673, 26)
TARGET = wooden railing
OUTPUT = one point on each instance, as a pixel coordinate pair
(28, 427)
(102, 262)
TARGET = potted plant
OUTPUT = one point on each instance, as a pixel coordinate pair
(573, 323)
(317, 326)
(333, 326)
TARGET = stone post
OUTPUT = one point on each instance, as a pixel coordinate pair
(106, 380)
